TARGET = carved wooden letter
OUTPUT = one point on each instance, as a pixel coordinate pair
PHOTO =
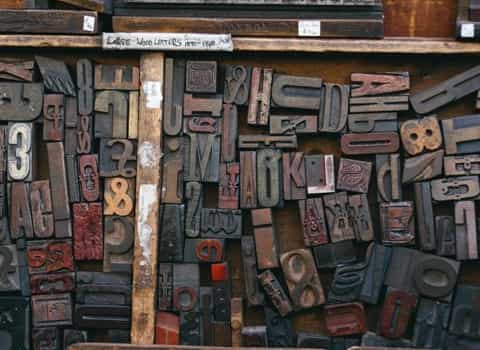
(85, 86)
(252, 287)
(426, 226)
(333, 108)
(229, 186)
(201, 76)
(20, 102)
(461, 134)
(173, 104)
(265, 242)
(269, 186)
(421, 134)
(339, 225)
(41, 204)
(20, 152)
(312, 219)
(275, 292)
(229, 133)
(88, 231)
(260, 92)
(111, 114)
(202, 157)
(354, 175)
(466, 230)
(119, 196)
(194, 197)
(294, 185)
(20, 213)
(290, 91)
(371, 143)
(114, 77)
(319, 174)
(398, 223)
(248, 180)
(89, 179)
(172, 191)
(237, 84)
(388, 178)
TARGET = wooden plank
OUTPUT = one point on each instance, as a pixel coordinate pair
(344, 3)
(101, 6)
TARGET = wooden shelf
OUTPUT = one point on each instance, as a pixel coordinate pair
(39, 40)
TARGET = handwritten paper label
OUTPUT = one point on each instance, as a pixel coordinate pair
(309, 28)
(153, 94)
(468, 30)
(88, 23)
(167, 41)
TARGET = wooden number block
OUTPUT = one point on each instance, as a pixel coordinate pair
(293, 124)
(202, 157)
(229, 130)
(88, 231)
(320, 174)
(194, 205)
(312, 218)
(111, 114)
(15, 322)
(229, 186)
(333, 108)
(460, 134)
(375, 104)
(248, 180)
(174, 151)
(336, 209)
(20, 151)
(360, 217)
(102, 316)
(260, 93)
(398, 223)
(172, 237)
(420, 135)
(118, 158)
(265, 241)
(252, 288)
(20, 213)
(49, 256)
(165, 286)
(462, 165)
(118, 245)
(269, 182)
(280, 330)
(465, 314)
(237, 84)
(236, 321)
(55, 75)
(167, 329)
(46, 338)
(423, 167)
(133, 109)
(173, 101)
(17, 71)
(354, 175)
(345, 319)
(201, 76)
(207, 125)
(267, 141)
(84, 135)
(348, 280)
(206, 310)
(186, 287)
(294, 182)
(89, 177)
(396, 313)
(255, 336)
(52, 283)
(455, 188)
(389, 187)
(85, 86)
(466, 230)
(371, 339)
(304, 285)
(41, 205)
(329, 256)
(190, 328)
(211, 106)
(221, 223)
(446, 235)
(52, 310)
(21, 102)
(99, 288)
(370, 143)
(119, 196)
(53, 117)
(378, 261)
(275, 292)
(9, 273)
(203, 250)
(424, 207)
(431, 324)
(289, 91)
(114, 77)
(373, 122)
(379, 84)
(73, 179)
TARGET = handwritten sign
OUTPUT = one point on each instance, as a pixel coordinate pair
(167, 42)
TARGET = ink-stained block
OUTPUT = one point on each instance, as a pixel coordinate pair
(312, 218)
(260, 94)
(21, 102)
(255, 336)
(303, 282)
(360, 217)
(347, 281)
(52, 310)
(237, 84)
(102, 316)
(52, 283)
(221, 223)
(165, 286)
(15, 323)
(84, 135)
(269, 178)
(89, 177)
(236, 321)
(455, 188)
(333, 108)
(118, 158)
(229, 186)
(374, 340)
(319, 174)
(265, 241)
(293, 172)
(20, 152)
(446, 235)
(190, 328)
(431, 324)
(280, 331)
(202, 157)
(88, 231)
(204, 250)
(289, 91)
(462, 165)
(397, 223)
(46, 338)
(248, 180)
(370, 143)
(206, 125)
(73, 179)
(167, 328)
(378, 262)
(252, 287)
(293, 124)
(116, 77)
(336, 211)
(55, 75)
(173, 96)
(312, 340)
(388, 177)
(186, 287)
(171, 237)
(423, 167)
(20, 212)
(99, 288)
(206, 106)
(369, 104)
(396, 313)
(172, 190)
(465, 312)
(119, 196)
(345, 319)
(53, 117)
(424, 210)
(466, 230)
(267, 141)
(373, 122)
(118, 244)
(420, 135)
(275, 292)
(111, 114)
(206, 311)
(9, 273)
(331, 255)
(194, 205)
(354, 175)
(379, 84)
(229, 130)
(201, 76)
(49, 256)
(85, 86)
(461, 134)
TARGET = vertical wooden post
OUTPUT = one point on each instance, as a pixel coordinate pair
(149, 175)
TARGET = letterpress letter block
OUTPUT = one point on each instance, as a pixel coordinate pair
(15, 322)
(85, 86)
(190, 328)
(111, 114)
(173, 101)
(354, 175)
(275, 292)
(52, 310)
(118, 196)
(465, 313)
(269, 184)
(101, 289)
(101, 317)
(201, 76)
(20, 213)
(88, 231)
(206, 311)
(229, 131)
(201, 105)
(186, 287)
(221, 223)
(229, 186)
(431, 324)
(388, 177)
(172, 191)
(41, 204)
(119, 231)
(89, 178)
(329, 256)
(312, 218)
(20, 102)
(118, 158)
(421, 134)
(237, 84)
(46, 338)
(171, 238)
(426, 226)
(360, 217)
(320, 174)
(372, 339)
(49, 256)
(333, 108)
(114, 77)
(455, 188)
(167, 329)
(267, 141)
(204, 250)
(378, 262)
(165, 286)
(336, 209)
(345, 319)
(265, 242)
(260, 93)
(396, 313)
(17, 70)
(3, 154)
(255, 336)
(461, 134)
(51, 283)
(71, 166)
(280, 330)
(294, 176)
(466, 230)
(462, 165)
(348, 280)
(248, 180)
(193, 195)
(373, 122)
(423, 167)
(55, 75)
(9, 273)
(290, 91)
(53, 117)
(293, 124)
(398, 223)
(202, 157)
(84, 135)
(252, 287)
(375, 104)
(20, 151)
(206, 125)
(379, 84)
(370, 143)
(446, 235)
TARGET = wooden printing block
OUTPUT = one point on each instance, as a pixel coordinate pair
(119, 196)
(379, 84)
(312, 340)
(73, 336)
(121, 336)
(344, 343)
(465, 312)
(165, 286)
(329, 256)
(255, 336)
(17, 71)
(374, 340)
(396, 313)
(373, 122)
(378, 261)
(172, 228)
(375, 104)
(336, 211)
(71, 166)
(100, 288)
(431, 324)
(194, 206)
(229, 131)
(466, 230)
(303, 282)
(455, 188)
(424, 208)
(15, 323)
(190, 328)
(236, 321)
(118, 158)
(248, 180)
(220, 276)
(354, 175)
(211, 106)
(201, 76)
(41, 205)
(229, 186)
(186, 285)
(46, 338)
(461, 134)
(49, 256)
(174, 151)
(133, 109)
(53, 117)
(289, 91)
(293, 124)
(173, 100)
(111, 114)
(21, 154)
(55, 76)
(388, 177)
(22, 102)
(237, 84)
(115, 77)
(252, 287)
(52, 283)
(102, 316)
(206, 310)
(260, 93)
(360, 217)
(312, 218)
(293, 172)
(398, 223)
(167, 328)
(319, 173)
(3, 156)
(267, 141)
(265, 241)
(203, 250)
(423, 167)
(333, 108)
(202, 125)
(269, 180)
(221, 223)
(89, 177)
(87, 231)
(9, 272)
(446, 235)
(202, 157)
(275, 292)
(280, 330)
(455, 342)
(222, 334)
(345, 319)
(462, 165)
(420, 135)
(370, 143)
(118, 244)
(85, 86)
(20, 213)
(84, 135)
(23, 267)
(52, 310)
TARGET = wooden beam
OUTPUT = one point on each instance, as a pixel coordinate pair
(51, 41)
(149, 174)
(104, 346)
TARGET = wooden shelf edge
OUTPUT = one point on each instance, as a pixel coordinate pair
(52, 41)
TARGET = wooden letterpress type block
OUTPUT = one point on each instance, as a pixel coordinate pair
(167, 329)
(206, 310)
(237, 84)
(354, 175)
(119, 196)
(115, 77)
(53, 117)
(3, 154)
(55, 76)
(20, 151)
(201, 76)
(372, 122)
(219, 272)
(264, 235)
(203, 250)
(360, 217)
(345, 319)
(221, 223)
(336, 211)
(172, 191)
(229, 186)
(118, 158)
(426, 226)
(165, 286)
(312, 218)
(252, 288)
(293, 124)
(133, 97)
(173, 102)
(347, 281)
(465, 312)
(207, 125)
(52, 283)
(73, 336)
(329, 256)
(394, 103)
(118, 245)
(462, 165)
(267, 141)
(186, 287)
(466, 230)
(269, 181)
(84, 135)
(398, 223)
(388, 177)
(23, 267)
(294, 184)
(374, 340)
(99, 288)
(46, 338)
(420, 135)
(312, 340)
(290, 91)
(52, 310)
(89, 178)
(400, 270)
(461, 134)
(280, 330)
(396, 313)
(102, 316)
(202, 157)
(190, 328)
(88, 231)
(21, 102)
(275, 292)
(446, 235)
(236, 321)
(71, 166)
(171, 237)
(248, 180)
(85, 86)
(229, 130)
(255, 336)
(121, 336)
(49, 256)
(20, 213)
(17, 71)
(455, 188)
(9, 273)
(221, 296)
(370, 143)
(431, 324)
(202, 105)
(41, 205)
(333, 108)
(379, 84)
(111, 114)
(260, 93)
(194, 205)
(378, 260)
(15, 322)
(304, 285)
(319, 174)
(456, 342)
(423, 167)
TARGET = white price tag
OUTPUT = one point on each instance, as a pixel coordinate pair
(153, 94)
(309, 28)
(468, 30)
(88, 23)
